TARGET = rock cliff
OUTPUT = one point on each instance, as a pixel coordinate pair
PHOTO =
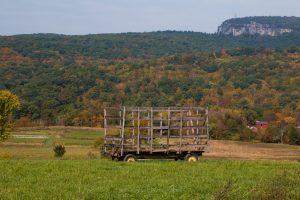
(263, 26)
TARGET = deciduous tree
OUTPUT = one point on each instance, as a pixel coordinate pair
(8, 103)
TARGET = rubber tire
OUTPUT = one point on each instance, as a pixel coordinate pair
(191, 158)
(129, 158)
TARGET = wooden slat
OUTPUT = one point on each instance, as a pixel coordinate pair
(207, 127)
(178, 118)
(163, 127)
(189, 136)
(105, 130)
(113, 138)
(174, 109)
(168, 138)
(180, 139)
(151, 131)
(112, 117)
(161, 124)
(114, 126)
(187, 127)
(123, 131)
(138, 136)
(133, 126)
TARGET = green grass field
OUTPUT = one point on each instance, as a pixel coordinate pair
(29, 170)
(103, 179)
(79, 143)
(56, 136)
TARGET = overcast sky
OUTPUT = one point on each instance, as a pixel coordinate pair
(115, 16)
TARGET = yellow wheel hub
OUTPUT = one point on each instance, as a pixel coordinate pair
(192, 159)
(130, 160)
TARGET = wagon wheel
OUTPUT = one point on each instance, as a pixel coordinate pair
(191, 158)
(129, 158)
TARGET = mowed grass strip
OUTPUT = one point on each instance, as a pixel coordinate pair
(35, 152)
(82, 134)
(63, 136)
(103, 179)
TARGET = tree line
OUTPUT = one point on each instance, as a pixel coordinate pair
(240, 85)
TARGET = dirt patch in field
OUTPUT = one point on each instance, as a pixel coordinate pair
(251, 151)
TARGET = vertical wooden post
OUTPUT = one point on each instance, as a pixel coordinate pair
(120, 122)
(191, 122)
(197, 142)
(123, 132)
(148, 139)
(161, 123)
(207, 127)
(197, 122)
(133, 134)
(151, 131)
(187, 123)
(105, 130)
(168, 136)
(181, 124)
(138, 136)
(203, 128)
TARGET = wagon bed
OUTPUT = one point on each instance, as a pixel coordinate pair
(170, 132)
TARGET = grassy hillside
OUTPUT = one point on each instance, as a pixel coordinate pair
(98, 179)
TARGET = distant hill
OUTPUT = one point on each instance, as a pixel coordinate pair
(263, 26)
(133, 45)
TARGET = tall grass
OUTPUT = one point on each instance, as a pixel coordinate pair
(103, 179)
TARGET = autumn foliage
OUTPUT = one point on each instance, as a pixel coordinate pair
(239, 85)
(8, 103)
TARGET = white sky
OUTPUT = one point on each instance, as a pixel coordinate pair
(115, 16)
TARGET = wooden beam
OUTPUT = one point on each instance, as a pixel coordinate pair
(105, 130)
(161, 123)
(168, 137)
(207, 127)
(120, 122)
(181, 125)
(197, 141)
(133, 126)
(138, 136)
(149, 128)
(151, 131)
(123, 131)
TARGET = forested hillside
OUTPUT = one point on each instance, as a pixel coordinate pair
(67, 80)
(132, 45)
(255, 83)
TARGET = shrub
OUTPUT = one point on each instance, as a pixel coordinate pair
(91, 155)
(5, 156)
(247, 135)
(294, 136)
(59, 150)
(99, 141)
(270, 135)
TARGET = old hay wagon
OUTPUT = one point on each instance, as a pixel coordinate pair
(132, 133)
